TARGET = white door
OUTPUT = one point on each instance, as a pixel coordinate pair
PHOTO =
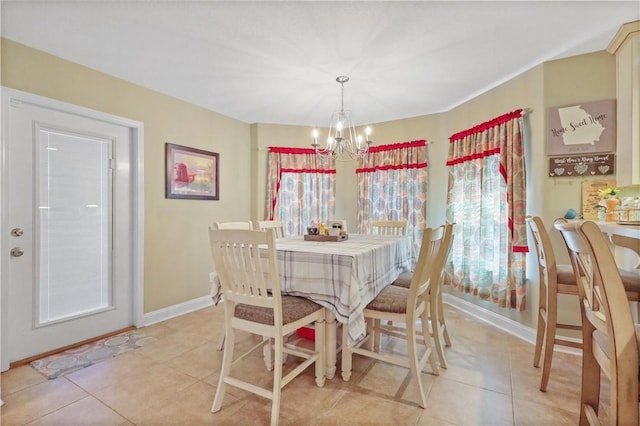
(69, 227)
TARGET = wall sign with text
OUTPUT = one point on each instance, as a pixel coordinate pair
(582, 129)
(582, 165)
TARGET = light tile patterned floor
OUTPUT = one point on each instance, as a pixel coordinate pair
(490, 381)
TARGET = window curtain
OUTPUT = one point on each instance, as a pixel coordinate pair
(486, 200)
(392, 185)
(300, 188)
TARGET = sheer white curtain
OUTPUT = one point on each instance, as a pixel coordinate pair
(392, 185)
(486, 200)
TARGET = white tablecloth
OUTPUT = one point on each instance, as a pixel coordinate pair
(342, 276)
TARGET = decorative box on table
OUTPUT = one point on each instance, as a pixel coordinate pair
(342, 237)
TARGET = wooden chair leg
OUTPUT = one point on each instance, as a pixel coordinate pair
(550, 336)
(443, 325)
(590, 392)
(277, 379)
(542, 325)
(436, 331)
(427, 343)
(373, 331)
(221, 343)
(267, 353)
(227, 360)
(413, 360)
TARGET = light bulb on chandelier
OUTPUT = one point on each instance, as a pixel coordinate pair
(343, 142)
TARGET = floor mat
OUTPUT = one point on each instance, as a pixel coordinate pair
(83, 356)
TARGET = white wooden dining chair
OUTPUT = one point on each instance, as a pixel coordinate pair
(388, 227)
(439, 331)
(276, 225)
(247, 263)
(610, 338)
(233, 225)
(229, 225)
(403, 305)
(554, 279)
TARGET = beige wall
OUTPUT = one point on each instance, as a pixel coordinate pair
(578, 79)
(176, 252)
(177, 260)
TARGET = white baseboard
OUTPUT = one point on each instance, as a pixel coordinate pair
(512, 327)
(176, 310)
(508, 325)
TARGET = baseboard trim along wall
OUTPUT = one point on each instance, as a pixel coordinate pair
(510, 326)
(525, 333)
(176, 310)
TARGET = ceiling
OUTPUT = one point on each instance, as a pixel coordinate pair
(276, 62)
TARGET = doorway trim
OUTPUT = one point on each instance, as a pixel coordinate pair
(17, 97)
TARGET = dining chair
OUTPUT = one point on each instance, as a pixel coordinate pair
(247, 263)
(610, 337)
(402, 305)
(276, 225)
(439, 331)
(229, 225)
(554, 279)
(389, 227)
(233, 225)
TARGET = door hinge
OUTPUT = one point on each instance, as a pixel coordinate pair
(112, 163)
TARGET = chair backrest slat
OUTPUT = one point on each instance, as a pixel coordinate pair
(434, 249)
(276, 225)
(233, 225)
(544, 249)
(247, 265)
(389, 227)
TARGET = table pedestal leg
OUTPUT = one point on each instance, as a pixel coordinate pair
(331, 345)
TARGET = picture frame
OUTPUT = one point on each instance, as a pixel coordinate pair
(191, 173)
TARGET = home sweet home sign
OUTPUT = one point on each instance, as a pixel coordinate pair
(584, 128)
(582, 165)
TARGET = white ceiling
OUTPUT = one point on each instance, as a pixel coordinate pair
(276, 62)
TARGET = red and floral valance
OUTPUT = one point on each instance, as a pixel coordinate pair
(402, 155)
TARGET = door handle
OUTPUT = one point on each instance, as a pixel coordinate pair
(17, 251)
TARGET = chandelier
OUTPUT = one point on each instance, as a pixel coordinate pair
(343, 142)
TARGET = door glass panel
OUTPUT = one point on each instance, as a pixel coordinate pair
(73, 225)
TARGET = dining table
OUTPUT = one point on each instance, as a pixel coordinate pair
(625, 258)
(343, 276)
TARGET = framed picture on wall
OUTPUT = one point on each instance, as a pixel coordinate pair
(191, 173)
(583, 128)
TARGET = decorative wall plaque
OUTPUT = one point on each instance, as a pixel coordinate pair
(582, 129)
(582, 165)
(591, 196)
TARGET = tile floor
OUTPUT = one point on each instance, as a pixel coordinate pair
(490, 381)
